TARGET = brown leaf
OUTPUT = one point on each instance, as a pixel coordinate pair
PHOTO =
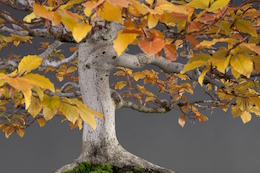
(169, 51)
(192, 40)
(182, 120)
(151, 47)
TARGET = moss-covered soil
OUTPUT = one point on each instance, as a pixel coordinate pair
(86, 167)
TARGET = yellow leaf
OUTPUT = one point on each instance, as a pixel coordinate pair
(252, 47)
(18, 83)
(139, 75)
(71, 69)
(27, 93)
(110, 12)
(35, 106)
(69, 111)
(2, 76)
(80, 31)
(122, 41)
(219, 4)
(202, 4)
(119, 85)
(87, 117)
(235, 73)
(220, 60)
(43, 12)
(235, 111)
(69, 21)
(202, 75)
(38, 80)
(182, 120)
(144, 91)
(208, 44)
(39, 91)
(245, 117)
(242, 64)
(29, 63)
(148, 99)
(244, 103)
(195, 62)
(29, 17)
(152, 20)
(20, 132)
(41, 122)
(246, 27)
(98, 114)
(56, 19)
(87, 11)
(70, 4)
(51, 102)
(48, 113)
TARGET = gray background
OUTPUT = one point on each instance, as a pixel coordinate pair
(222, 144)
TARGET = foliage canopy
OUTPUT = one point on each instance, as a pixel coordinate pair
(218, 42)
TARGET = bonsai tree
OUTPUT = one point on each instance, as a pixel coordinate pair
(197, 43)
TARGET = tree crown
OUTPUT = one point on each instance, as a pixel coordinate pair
(217, 41)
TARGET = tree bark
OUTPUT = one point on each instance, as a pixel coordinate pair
(95, 62)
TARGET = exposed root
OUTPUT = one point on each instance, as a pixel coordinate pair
(120, 158)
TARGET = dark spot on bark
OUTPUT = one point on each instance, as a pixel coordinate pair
(114, 57)
(101, 78)
(103, 52)
(87, 66)
(96, 57)
(106, 74)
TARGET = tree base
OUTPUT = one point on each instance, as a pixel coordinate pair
(118, 158)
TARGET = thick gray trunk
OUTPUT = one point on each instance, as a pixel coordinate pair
(96, 60)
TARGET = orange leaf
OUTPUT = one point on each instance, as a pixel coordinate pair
(43, 12)
(182, 120)
(92, 5)
(18, 83)
(170, 50)
(192, 40)
(151, 47)
(121, 3)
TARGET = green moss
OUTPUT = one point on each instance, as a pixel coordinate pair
(86, 167)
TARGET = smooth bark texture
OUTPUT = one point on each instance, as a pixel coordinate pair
(97, 59)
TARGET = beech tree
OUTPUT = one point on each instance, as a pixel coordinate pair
(211, 44)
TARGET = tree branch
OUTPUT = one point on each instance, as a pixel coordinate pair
(50, 49)
(59, 63)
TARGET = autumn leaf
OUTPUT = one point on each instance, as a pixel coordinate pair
(92, 5)
(170, 50)
(139, 75)
(18, 83)
(41, 122)
(151, 47)
(202, 4)
(29, 63)
(245, 117)
(27, 93)
(152, 20)
(242, 64)
(221, 60)
(51, 102)
(121, 3)
(38, 80)
(246, 27)
(119, 85)
(122, 41)
(181, 120)
(80, 31)
(35, 106)
(68, 110)
(48, 114)
(43, 12)
(110, 12)
(219, 4)
(200, 59)
(202, 75)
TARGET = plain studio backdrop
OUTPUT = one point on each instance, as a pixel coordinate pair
(222, 144)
